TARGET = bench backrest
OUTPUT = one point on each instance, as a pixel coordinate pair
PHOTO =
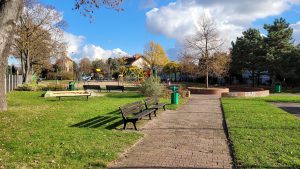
(93, 87)
(114, 87)
(150, 101)
(132, 108)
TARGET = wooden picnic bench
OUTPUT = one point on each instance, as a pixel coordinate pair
(92, 87)
(73, 95)
(152, 103)
(114, 87)
(133, 112)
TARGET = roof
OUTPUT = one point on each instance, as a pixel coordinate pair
(130, 60)
(67, 58)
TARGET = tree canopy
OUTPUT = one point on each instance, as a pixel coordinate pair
(155, 55)
(204, 46)
(248, 53)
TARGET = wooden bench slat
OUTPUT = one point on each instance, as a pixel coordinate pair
(114, 87)
(152, 102)
(137, 110)
(92, 87)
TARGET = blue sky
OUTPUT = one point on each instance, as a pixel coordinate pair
(167, 22)
(111, 29)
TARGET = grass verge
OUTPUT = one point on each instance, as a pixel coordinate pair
(262, 135)
(74, 133)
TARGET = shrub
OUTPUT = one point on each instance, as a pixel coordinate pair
(182, 92)
(51, 76)
(66, 75)
(28, 87)
(61, 76)
(54, 87)
(152, 87)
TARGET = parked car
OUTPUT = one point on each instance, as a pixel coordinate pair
(86, 78)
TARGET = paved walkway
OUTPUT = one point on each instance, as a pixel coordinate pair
(192, 137)
(293, 108)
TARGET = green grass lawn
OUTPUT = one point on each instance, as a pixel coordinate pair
(291, 90)
(263, 136)
(74, 133)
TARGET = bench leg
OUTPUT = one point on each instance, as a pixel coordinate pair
(87, 97)
(134, 124)
(124, 127)
(150, 116)
(155, 113)
(59, 98)
(164, 107)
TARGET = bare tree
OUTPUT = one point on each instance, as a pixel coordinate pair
(85, 66)
(187, 64)
(87, 7)
(10, 10)
(203, 44)
(38, 37)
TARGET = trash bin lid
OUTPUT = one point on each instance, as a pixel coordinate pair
(174, 88)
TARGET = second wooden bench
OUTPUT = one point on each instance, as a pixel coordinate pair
(135, 111)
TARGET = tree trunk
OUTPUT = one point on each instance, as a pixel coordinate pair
(10, 10)
(206, 81)
(175, 77)
(27, 74)
(273, 82)
(253, 78)
(258, 79)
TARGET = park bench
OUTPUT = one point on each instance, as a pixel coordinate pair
(114, 87)
(133, 112)
(152, 103)
(73, 95)
(92, 87)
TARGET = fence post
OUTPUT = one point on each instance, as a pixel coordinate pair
(13, 81)
(9, 83)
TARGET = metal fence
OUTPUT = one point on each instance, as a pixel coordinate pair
(12, 82)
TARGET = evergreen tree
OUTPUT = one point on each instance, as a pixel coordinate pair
(277, 44)
(248, 54)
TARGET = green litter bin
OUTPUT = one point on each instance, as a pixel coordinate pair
(277, 88)
(174, 98)
(71, 86)
(174, 95)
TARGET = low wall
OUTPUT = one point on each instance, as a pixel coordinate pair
(262, 93)
(212, 91)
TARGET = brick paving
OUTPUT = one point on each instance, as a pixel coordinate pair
(192, 137)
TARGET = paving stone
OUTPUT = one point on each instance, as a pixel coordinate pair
(191, 137)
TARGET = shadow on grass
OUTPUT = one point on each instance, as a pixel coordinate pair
(132, 89)
(292, 110)
(75, 98)
(110, 121)
(124, 95)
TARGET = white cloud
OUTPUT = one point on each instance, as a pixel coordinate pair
(73, 42)
(296, 33)
(77, 49)
(96, 52)
(176, 20)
